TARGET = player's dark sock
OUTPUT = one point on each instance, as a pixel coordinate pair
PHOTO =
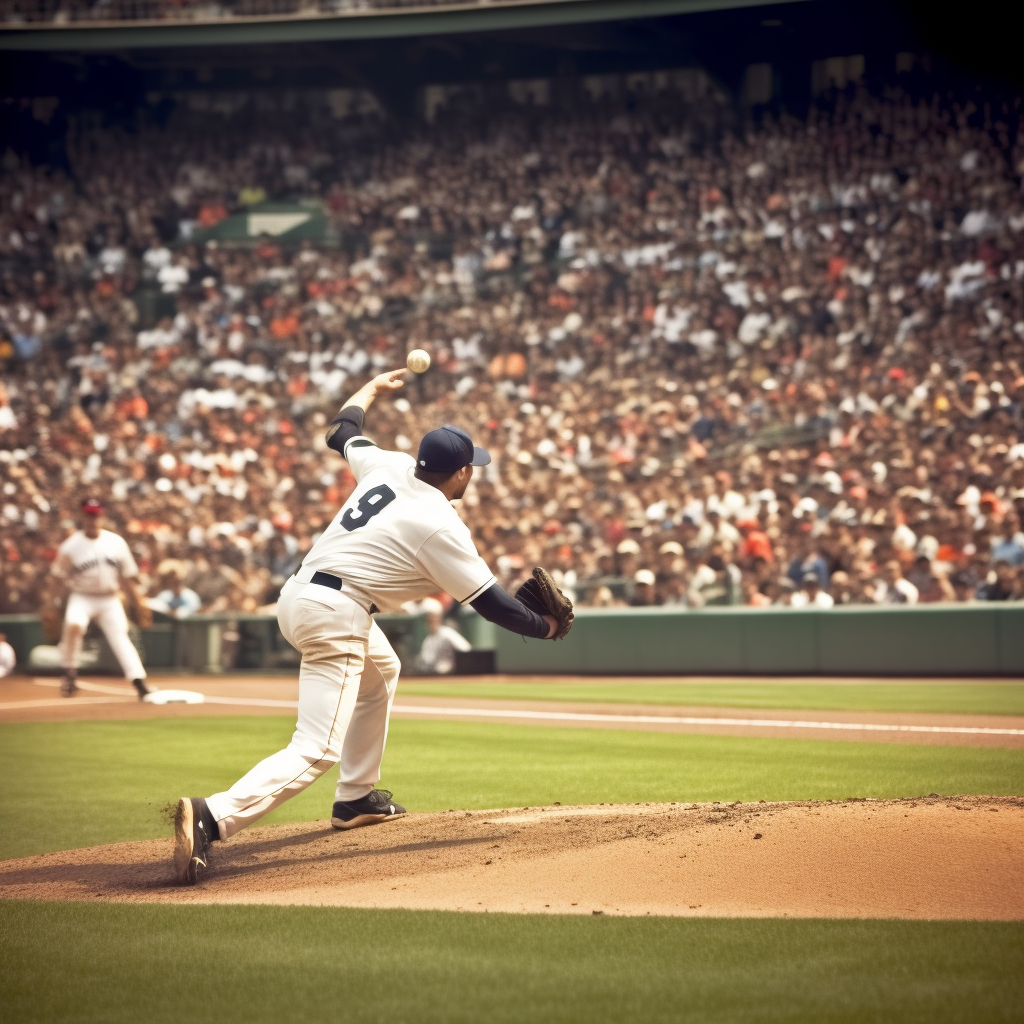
(208, 820)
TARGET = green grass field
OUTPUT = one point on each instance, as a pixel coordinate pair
(122, 965)
(108, 781)
(839, 695)
(75, 784)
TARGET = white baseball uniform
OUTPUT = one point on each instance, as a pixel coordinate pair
(93, 570)
(396, 539)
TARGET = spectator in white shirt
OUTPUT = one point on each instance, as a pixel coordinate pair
(176, 599)
(156, 257)
(810, 594)
(892, 588)
(112, 258)
(163, 335)
(172, 277)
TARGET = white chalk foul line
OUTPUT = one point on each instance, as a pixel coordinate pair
(63, 702)
(578, 716)
(66, 702)
(256, 702)
(749, 723)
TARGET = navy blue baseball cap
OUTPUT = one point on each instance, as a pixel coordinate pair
(447, 449)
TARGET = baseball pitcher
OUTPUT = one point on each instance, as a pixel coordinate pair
(96, 565)
(396, 539)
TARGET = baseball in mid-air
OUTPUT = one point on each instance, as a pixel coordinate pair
(418, 361)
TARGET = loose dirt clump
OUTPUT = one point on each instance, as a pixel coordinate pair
(956, 858)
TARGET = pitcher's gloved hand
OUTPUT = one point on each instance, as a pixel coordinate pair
(541, 595)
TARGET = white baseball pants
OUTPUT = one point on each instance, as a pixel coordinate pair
(347, 682)
(108, 612)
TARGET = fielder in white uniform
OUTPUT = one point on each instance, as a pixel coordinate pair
(396, 539)
(440, 645)
(96, 565)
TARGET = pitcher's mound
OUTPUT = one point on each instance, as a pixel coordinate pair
(928, 858)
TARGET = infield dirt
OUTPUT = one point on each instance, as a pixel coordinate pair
(935, 858)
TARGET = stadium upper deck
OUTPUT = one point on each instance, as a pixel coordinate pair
(99, 13)
(64, 12)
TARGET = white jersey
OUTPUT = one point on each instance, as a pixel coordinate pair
(94, 566)
(397, 538)
(438, 651)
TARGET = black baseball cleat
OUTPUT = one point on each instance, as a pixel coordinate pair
(371, 809)
(68, 685)
(141, 688)
(194, 830)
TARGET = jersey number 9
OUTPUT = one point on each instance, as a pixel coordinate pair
(375, 500)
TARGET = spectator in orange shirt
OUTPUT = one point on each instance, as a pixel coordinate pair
(210, 214)
(755, 543)
(511, 365)
(284, 327)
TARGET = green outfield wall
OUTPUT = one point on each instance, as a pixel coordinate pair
(938, 640)
(218, 643)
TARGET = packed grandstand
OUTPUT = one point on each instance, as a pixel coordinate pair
(718, 360)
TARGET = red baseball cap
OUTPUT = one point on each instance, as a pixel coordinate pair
(92, 507)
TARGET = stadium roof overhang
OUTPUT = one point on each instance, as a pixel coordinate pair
(446, 20)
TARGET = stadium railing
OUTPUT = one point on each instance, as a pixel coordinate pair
(66, 13)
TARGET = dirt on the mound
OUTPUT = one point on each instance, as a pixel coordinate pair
(956, 858)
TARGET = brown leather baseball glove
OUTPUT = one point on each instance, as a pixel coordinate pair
(51, 615)
(541, 595)
(141, 614)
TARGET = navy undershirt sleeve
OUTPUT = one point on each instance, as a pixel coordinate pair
(498, 606)
(346, 425)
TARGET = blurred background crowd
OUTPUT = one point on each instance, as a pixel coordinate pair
(717, 360)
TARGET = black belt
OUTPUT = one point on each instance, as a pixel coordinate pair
(325, 579)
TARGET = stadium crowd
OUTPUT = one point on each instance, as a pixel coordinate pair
(716, 361)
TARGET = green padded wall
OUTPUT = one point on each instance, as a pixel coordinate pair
(944, 640)
(939, 640)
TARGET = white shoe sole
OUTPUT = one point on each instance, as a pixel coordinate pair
(363, 819)
(183, 845)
